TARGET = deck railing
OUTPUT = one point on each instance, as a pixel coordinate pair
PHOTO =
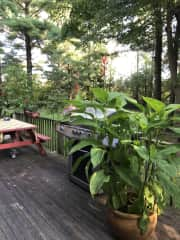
(47, 127)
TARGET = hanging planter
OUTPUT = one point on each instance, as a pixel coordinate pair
(32, 114)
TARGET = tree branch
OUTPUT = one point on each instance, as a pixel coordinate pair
(20, 5)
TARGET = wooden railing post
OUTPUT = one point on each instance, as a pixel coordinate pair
(60, 144)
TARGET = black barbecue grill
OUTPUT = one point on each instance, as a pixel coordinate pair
(78, 133)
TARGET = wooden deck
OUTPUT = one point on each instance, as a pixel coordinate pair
(38, 202)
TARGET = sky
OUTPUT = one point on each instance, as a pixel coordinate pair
(126, 61)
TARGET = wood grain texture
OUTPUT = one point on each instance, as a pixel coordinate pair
(14, 124)
(38, 202)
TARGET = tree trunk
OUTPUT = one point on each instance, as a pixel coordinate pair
(28, 47)
(28, 57)
(135, 91)
(173, 46)
(150, 83)
(1, 92)
(0, 77)
(158, 50)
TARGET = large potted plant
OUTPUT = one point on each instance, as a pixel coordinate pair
(133, 165)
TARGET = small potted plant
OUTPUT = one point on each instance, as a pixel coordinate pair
(30, 110)
(133, 166)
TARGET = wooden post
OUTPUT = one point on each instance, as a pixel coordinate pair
(60, 144)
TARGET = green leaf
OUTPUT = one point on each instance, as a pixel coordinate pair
(82, 144)
(169, 150)
(155, 104)
(97, 156)
(80, 104)
(167, 183)
(100, 94)
(137, 206)
(117, 98)
(114, 95)
(158, 191)
(142, 152)
(135, 103)
(176, 162)
(97, 181)
(84, 122)
(131, 100)
(171, 108)
(175, 130)
(124, 174)
(175, 118)
(143, 222)
(115, 201)
(149, 197)
(169, 169)
(119, 115)
(153, 152)
(159, 125)
(87, 170)
(135, 165)
(78, 161)
(143, 122)
(82, 114)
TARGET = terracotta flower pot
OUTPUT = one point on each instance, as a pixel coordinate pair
(125, 226)
(32, 114)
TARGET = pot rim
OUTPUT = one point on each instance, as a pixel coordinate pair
(129, 215)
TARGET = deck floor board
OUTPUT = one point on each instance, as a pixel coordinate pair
(38, 202)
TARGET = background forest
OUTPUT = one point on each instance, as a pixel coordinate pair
(48, 48)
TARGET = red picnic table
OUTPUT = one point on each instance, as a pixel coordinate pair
(20, 134)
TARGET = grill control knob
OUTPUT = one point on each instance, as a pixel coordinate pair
(74, 132)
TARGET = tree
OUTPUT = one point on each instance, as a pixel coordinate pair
(158, 29)
(139, 84)
(173, 39)
(137, 23)
(14, 87)
(73, 63)
(25, 24)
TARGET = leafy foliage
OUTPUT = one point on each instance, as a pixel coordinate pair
(132, 165)
(16, 94)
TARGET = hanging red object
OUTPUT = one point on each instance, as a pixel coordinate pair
(104, 60)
